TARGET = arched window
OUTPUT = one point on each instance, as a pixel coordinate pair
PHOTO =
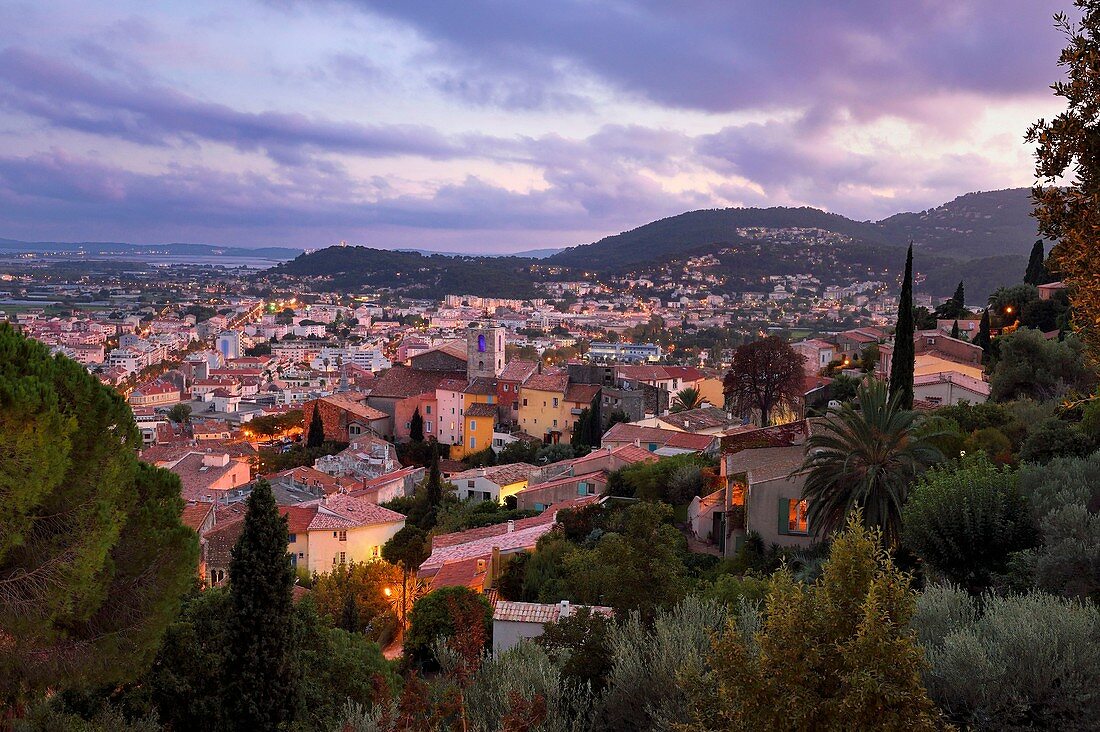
(481, 343)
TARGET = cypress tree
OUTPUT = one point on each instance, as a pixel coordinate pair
(959, 297)
(434, 486)
(262, 680)
(982, 339)
(903, 362)
(955, 329)
(316, 435)
(1036, 269)
(416, 427)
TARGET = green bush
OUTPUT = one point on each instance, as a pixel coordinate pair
(1023, 662)
(1055, 438)
(431, 618)
(965, 520)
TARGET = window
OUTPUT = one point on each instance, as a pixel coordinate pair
(473, 426)
(525, 402)
(408, 425)
(473, 442)
(343, 536)
(291, 538)
(469, 484)
(481, 344)
(301, 555)
(428, 426)
(355, 430)
(797, 516)
(343, 558)
(555, 402)
(376, 551)
(489, 399)
(555, 423)
(582, 488)
(427, 409)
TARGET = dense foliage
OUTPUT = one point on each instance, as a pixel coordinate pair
(865, 459)
(93, 557)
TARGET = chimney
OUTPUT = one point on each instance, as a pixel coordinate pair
(511, 526)
(564, 609)
(216, 460)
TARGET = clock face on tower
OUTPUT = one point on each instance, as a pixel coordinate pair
(481, 344)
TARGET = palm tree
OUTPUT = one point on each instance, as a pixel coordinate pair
(865, 459)
(687, 398)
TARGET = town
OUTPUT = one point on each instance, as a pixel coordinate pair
(549, 367)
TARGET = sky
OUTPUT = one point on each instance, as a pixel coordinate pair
(501, 126)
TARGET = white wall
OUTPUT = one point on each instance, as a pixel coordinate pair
(325, 545)
(508, 633)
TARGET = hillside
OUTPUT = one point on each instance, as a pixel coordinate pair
(413, 273)
(696, 230)
(975, 225)
(984, 237)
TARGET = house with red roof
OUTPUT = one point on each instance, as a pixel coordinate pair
(583, 476)
(344, 418)
(338, 529)
(659, 441)
(475, 558)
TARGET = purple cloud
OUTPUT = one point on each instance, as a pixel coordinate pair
(71, 98)
(864, 55)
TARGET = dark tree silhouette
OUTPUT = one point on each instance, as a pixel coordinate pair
(903, 361)
(315, 437)
(764, 375)
(1036, 266)
(416, 427)
(260, 693)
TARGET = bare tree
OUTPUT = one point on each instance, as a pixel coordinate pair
(764, 375)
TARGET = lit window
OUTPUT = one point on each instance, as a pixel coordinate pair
(797, 516)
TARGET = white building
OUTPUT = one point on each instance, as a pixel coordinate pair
(228, 344)
(514, 622)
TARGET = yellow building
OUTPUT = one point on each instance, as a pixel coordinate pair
(542, 411)
(479, 416)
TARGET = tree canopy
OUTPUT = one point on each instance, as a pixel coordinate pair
(93, 557)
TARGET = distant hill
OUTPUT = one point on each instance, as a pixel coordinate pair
(679, 235)
(975, 225)
(980, 237)
(415, 274)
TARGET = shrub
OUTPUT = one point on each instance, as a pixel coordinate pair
(1024, 662)
(965, 520)
(1055, 438)
(431, 618)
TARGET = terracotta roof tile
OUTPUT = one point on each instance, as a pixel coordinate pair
(534, 612)
(401, 382)
(480, 409)
(518, 370)
(499, 474)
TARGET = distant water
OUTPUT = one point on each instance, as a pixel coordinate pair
(160, 259)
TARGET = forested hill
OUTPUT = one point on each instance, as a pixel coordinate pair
(975, 225)
(972, 226)
(699, 230)
(415, 274)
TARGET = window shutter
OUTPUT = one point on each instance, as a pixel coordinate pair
(784, 516)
